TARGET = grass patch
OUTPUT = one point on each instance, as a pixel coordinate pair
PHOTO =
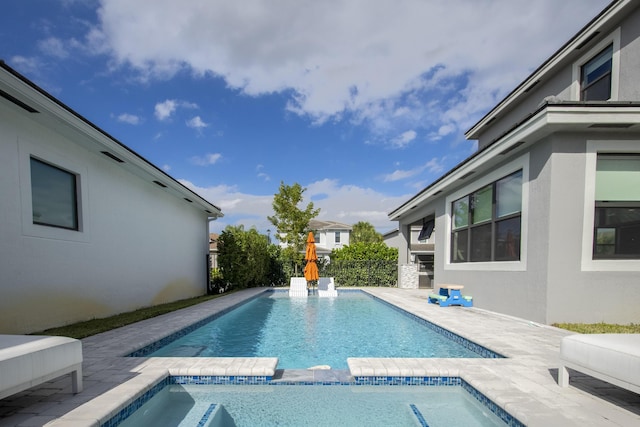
(599, 328)
(96, 326)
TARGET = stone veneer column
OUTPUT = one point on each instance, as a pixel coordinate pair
(408, 276)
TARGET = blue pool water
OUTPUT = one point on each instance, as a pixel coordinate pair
(300, 405)
(315, 331)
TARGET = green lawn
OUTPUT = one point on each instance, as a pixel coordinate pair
(599, 328)
(96, 326)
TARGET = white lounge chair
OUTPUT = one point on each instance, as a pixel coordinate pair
(614, 358)
(327, 287)
(298, 287)
(29, 360)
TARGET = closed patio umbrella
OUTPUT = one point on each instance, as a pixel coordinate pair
(311, 269)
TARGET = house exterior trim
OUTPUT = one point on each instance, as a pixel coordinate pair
(54, 114)
(598, 25)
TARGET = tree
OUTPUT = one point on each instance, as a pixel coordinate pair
(364, 232)
(291, 222)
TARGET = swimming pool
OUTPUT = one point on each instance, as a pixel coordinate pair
(306, 332)
(454, 405)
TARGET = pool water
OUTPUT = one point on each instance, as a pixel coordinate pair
(306, 332)
(306, 405)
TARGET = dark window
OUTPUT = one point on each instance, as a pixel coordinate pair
(427, 229)
(507, 239)
(337, 237)
(53, 196)
(595, 81)
(617, 207)
(486, 223)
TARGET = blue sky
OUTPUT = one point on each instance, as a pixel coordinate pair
(362, 102)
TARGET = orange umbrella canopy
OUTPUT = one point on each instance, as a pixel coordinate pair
(310, 255)
(311, 269)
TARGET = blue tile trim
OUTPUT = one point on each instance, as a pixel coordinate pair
(418, 414)
(507, 418)
(220, 380)
(470, 345)
(205, 417)
(144, 351)
(409, 381)
(136, 404)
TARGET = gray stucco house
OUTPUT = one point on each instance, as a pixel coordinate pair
(543, 221)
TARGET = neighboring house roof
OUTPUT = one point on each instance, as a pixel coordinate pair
(552, 116)
(328, 225)
(53, 114)
(213, 242)
(391, 233)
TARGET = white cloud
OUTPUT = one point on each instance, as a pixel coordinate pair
(381, 62)
(433, 167)
(129, 118)
(164, 110)
(262, 175)
(197, 123)
(53, 46)
(403, 139)
(26, 65)
(206, 160)
(366, 204)
(252, 210)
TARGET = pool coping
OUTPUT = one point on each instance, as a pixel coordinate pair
(523, 384)
(101, 411)
(362, 371)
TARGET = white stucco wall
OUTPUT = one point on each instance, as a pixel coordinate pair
(138, 245)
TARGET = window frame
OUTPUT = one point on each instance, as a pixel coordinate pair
(584, 88)
(481, 232)
(337, 237)
(612, 39)
(27, 150)
(588, 262)
(519, 163)
(74, 201)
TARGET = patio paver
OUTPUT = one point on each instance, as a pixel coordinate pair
(524, 383)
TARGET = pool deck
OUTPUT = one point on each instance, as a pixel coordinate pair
(523, 383)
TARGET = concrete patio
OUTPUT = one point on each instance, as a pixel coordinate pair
(523, 383)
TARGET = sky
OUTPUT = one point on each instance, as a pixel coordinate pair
(362, 102)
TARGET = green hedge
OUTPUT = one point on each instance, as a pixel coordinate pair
(362, 273)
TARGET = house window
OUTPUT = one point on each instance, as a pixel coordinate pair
(486, 224)
(595, 80)
(617, 207)
(337, 237)
(53, 196)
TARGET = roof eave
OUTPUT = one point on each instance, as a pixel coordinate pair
(548, 119)
(53, 110)
(588, 32)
